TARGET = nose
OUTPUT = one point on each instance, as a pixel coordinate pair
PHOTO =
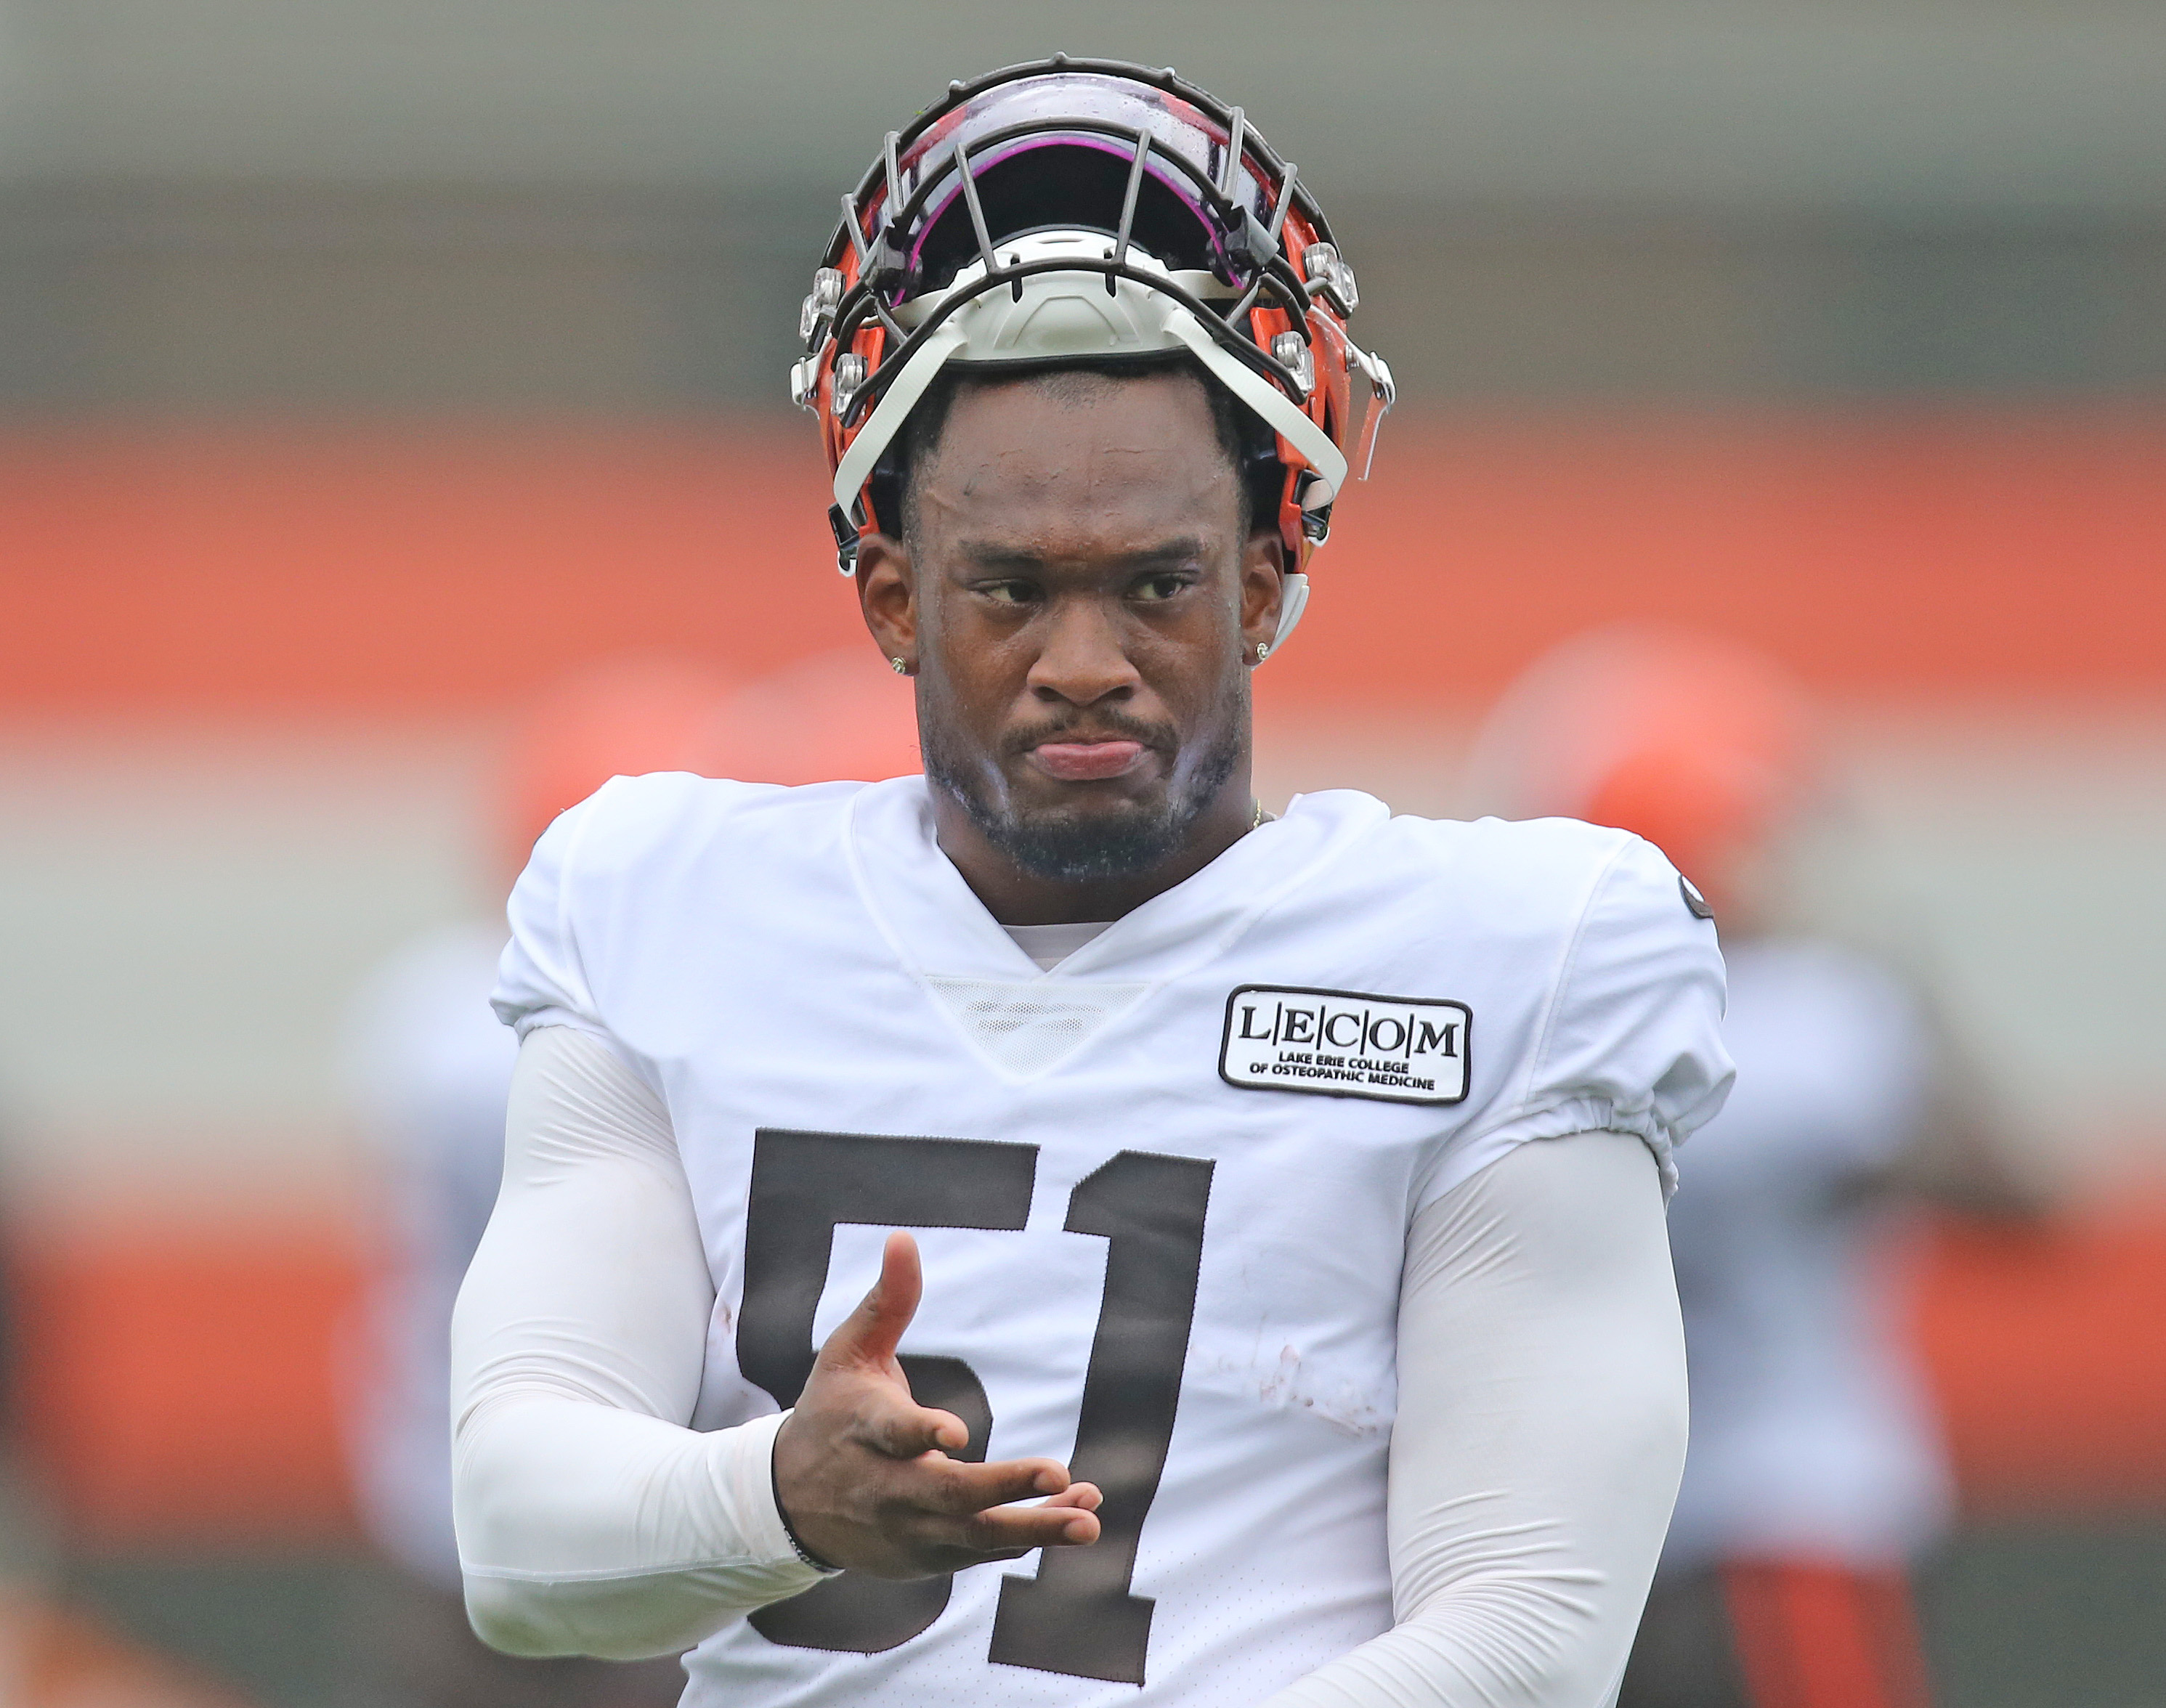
(1083, 659)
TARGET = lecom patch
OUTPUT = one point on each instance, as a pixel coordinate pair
(1345, 1043)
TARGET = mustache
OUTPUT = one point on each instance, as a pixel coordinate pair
(1098, 726)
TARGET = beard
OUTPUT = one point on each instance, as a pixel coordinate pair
(1073, 845)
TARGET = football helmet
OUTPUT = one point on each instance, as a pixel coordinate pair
(1088, 211)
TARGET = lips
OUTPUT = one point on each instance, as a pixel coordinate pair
(1087, 762)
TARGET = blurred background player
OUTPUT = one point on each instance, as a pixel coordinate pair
(1815, 1473)
(430, 1065)
(429, 1069)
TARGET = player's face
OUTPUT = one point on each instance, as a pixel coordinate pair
(1079, 598)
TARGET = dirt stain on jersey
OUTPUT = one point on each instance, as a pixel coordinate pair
(1342, 1405)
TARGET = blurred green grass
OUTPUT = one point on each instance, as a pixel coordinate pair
(2018, 1614)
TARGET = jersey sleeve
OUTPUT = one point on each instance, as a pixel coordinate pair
(539, 982)
(1632, 1039)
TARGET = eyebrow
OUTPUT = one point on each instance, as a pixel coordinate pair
(986, 554)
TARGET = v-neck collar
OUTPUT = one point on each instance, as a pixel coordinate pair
(1048, 946)
(936, 924)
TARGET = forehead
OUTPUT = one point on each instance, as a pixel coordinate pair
(1079, 462)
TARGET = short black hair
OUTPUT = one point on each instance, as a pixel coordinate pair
(1251, 447)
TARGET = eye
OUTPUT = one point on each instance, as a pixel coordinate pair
(1168, 584)
(1007, 593)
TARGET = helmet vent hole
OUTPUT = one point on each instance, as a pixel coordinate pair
(1063, 186)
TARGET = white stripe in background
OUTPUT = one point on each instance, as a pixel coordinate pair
(184, 917)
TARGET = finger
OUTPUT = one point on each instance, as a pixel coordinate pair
(1012, 1529)
(959, 1490)
(868, 1334)
(1084, 1497)
(901, 1429)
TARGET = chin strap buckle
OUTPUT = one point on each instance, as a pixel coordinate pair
(845, 540)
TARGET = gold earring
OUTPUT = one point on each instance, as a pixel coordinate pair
(1262, 651)
(900, 668)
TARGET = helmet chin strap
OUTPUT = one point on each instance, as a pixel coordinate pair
(886, 419)
(1293, 600)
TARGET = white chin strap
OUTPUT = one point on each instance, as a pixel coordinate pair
(1293, 600)
(1072, 317)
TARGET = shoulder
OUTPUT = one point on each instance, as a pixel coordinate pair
(645, 831)
(1511, 904)
(1593, 989)
(1529, 877)
(1585, 935)
(1502, 846)
(635, 859)
(631, 821)
(1603, 913)
(1531, 855)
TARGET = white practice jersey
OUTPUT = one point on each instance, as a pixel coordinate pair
(1808, 1435)
(1162, 1190)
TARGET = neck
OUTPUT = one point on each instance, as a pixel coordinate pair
(1016, 897)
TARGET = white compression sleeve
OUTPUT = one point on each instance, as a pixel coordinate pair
(590, 1519)
(1539, 1437)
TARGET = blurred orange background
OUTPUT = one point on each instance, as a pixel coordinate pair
(180, 1381)
(365, 368)
(1904, 554)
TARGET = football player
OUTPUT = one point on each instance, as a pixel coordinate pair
(1815, 1473)
(1046, 1232)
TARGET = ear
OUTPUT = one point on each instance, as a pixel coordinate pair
(887, 595)
(1263, 588)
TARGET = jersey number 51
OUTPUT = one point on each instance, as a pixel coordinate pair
(1076, 1614)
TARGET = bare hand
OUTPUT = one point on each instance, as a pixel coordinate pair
(863, 1471)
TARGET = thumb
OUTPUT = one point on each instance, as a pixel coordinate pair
(869, 1334)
